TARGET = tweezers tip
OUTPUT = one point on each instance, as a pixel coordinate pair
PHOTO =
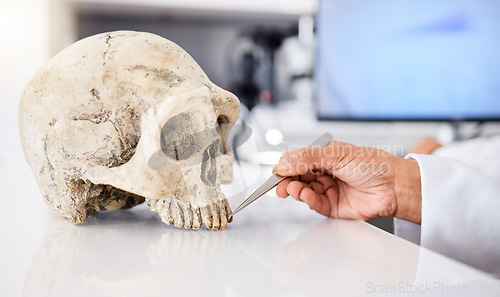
(236, 210)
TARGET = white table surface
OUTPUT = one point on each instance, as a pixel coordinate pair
(275, 247)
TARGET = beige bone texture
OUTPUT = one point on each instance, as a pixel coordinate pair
(124, 117)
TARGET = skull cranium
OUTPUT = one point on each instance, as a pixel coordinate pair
(122, 117)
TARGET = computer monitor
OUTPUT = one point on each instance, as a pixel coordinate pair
(408, 60)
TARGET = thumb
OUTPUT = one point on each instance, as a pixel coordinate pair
(303, 160)
(300, 161)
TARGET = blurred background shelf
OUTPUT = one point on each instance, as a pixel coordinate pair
(65, 13)
(202, 7)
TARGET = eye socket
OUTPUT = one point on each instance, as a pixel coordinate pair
(177, 140)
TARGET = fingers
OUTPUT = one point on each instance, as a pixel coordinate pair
(289, 187)
(318, 194)
(318, 183)
(317, 187)
(294, 188)
(308, 177)
(281, 190)
(317, 202)
(327, 182)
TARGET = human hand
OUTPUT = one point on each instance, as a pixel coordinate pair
(352, 182)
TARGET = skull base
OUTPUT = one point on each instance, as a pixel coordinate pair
(97, 198)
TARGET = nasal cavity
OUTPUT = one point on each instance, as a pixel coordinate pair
(209, 164)
(223, 131)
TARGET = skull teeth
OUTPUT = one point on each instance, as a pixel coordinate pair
(214, 216)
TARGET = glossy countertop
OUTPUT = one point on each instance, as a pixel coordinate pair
(275, 247)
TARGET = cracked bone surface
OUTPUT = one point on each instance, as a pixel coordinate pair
(124, 117)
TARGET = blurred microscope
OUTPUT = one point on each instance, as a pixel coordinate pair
(271, 69)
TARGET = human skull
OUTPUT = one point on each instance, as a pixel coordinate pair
(124, 117)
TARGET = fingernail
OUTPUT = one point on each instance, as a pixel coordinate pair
(283, 165)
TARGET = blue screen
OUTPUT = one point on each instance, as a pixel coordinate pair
(416, 60)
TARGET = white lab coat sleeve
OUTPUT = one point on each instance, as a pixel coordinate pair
(460, 204)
